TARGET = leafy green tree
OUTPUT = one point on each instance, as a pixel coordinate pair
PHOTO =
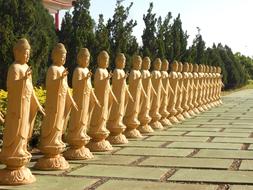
(120, 33)
(29, 19)
(149, 38)
(77, 32)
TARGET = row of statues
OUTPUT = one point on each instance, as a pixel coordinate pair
(96, 117)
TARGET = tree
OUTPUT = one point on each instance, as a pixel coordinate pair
(149, 38)
(77, 32)
(29, 19)
(120, 33)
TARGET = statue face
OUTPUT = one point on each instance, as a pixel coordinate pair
(23, 56)
(175, 66)
(195, 68)
(84, 60)
(60, 59)
(180, 67)
(165, 65)
(137, 63)
(120, 61)
(186, 67)
(103, 61)
(157, 64)
(146, 63)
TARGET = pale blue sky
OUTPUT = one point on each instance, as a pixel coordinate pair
(226, 21)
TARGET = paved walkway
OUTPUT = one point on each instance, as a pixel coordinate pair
(212, 152)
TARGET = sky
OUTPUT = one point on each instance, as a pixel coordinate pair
(229, 22)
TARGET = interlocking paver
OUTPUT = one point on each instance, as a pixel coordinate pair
(233, 140)
(143, 185)
(187, 162)
(204, 145)
(154, 151)
(217, 134)
(241, 154)
(222, 176)
(177, 138)
(246, 165)
(120, 172)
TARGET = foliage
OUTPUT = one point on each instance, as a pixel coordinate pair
(21, 18)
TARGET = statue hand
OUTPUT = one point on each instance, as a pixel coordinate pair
(126, 75)
(65, 73)
(28, 72)
(89, 74)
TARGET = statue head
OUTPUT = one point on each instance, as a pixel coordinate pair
(195, 68)
(207, 69)
(175, 66)
(21, 51)
(190, 67)
(120, 61)
(203, 68)
(136, 62)
(59, 54)
(165, 65)
(83, 57)
(200, 70)
(186, 67)
(214, 69)
(103, 60)
(157, 64)
(180, 67)
(146, 63)
(219, 70)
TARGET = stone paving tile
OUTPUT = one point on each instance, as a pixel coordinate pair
(246, 165)
(233, 140)
(165, 133)
(186, 125)
(195, 129)
(187, 162)
(217, 134)
(241, 154)
(204, 145)
(55, 183)
(222, 176)
(241, 187)
(120, 172)
(108, 159)
(177, 138)
(228, 126)
(233, 130)
(143, 143)
(143, 185)
(108, 152)
(154, 151)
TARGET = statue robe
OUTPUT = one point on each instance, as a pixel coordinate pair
(22, 108)
(57, 108)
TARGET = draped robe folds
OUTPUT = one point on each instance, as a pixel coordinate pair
(185, 91)
(119, 89)
(164, 97)
(179, 93)
(58, 104)
(84, 97)
(195, 89)
(191, 91)
(22, 108)
(144, 116)
(156, 98)
(100, 114)
(173, 95)
(135, 88)
(200, 89)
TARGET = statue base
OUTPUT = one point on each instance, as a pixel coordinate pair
(99, 146)
(145, 129)
(52, 162)
(186, 115)
(156, 125)
(132, 133)
(117, 139)
(18, 176)
(173, 120)
(165, 122)
(204, 107)
(81, 153)
(201, 109)
(180, 117)
(196, 111)
(191, 113)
